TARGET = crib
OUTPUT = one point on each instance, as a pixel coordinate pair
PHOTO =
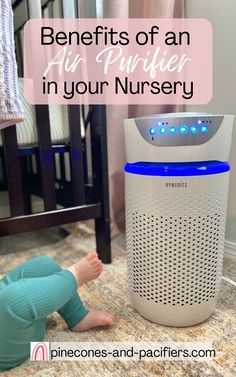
(59, 154)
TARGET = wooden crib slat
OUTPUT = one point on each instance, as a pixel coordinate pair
(19, 55)
(77, 8)
(100, 180)
(13, 171)
(76, 155)
(49, 219)
(46, 158)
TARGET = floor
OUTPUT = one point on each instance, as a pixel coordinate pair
(31, 240)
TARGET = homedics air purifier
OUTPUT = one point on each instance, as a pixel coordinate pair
(176, 188)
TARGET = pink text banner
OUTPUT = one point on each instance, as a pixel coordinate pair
(118, 61)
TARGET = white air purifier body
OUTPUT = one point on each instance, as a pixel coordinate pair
(176, 188)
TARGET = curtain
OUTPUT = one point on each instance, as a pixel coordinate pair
(116, 114)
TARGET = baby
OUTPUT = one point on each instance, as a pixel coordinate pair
(37, 288)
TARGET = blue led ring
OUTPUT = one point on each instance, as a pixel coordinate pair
(177, 169)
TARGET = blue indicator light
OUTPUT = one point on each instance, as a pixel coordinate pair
(162, 130)
(194, 129)
(152, 131)
(173, 130)
(177, 169)
(159, 123)
(199, 122)
(204, 129)
(184, 129)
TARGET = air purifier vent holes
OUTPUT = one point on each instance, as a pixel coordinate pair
(175, 260)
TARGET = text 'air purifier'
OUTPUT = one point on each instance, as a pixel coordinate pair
(176, 183)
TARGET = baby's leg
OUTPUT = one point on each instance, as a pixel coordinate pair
(86, 269)
(24, 306)
(75, 314)
(32, 268)
(78, 318)
(35, 298)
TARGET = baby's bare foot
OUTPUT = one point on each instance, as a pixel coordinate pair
(94, 319)
(87, 269)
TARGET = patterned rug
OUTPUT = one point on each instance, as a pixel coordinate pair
(110, 292)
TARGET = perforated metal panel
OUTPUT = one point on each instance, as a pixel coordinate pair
(175, 238)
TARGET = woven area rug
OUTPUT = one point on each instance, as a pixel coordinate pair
(110, 292)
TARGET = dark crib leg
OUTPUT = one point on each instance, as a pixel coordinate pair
(100, 181)
(103, 238)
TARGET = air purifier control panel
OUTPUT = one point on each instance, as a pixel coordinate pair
(178, 131)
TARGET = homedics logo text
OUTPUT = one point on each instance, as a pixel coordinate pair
(176, 184)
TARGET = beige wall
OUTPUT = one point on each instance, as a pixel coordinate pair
(222, 15)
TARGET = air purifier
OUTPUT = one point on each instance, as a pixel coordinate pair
(176, 188)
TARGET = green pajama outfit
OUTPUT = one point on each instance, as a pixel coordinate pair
(28, 294)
